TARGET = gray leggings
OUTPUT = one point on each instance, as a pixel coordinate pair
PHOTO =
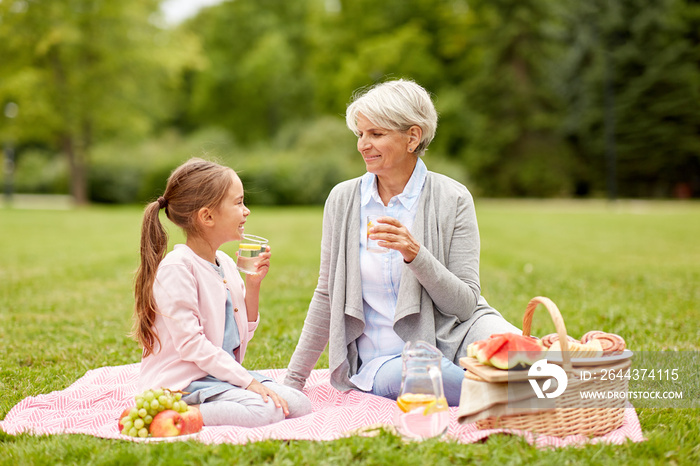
(240, 407)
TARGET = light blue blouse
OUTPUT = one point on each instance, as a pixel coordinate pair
(381, 276)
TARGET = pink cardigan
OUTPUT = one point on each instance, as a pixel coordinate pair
(191, 301)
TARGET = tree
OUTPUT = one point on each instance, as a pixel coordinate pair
(84, 70)
(643, 56)
(487, 64)
(511, 144)
(256, 77)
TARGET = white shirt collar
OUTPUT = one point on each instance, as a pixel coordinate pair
(411, 191)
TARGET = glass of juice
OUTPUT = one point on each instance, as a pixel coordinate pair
(248, 251)
(373, 244)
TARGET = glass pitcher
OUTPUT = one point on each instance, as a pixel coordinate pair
(421, 409)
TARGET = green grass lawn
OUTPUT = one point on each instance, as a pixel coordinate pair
(66, 300)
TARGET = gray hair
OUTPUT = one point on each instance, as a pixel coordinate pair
(395, 105)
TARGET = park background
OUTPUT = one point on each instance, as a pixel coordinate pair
(537, 98)
(589, 107)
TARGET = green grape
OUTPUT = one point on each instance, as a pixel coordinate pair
(147, 405)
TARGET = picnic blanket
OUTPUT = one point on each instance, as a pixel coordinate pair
(94, 402)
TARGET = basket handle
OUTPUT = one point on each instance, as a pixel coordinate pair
(558, 324)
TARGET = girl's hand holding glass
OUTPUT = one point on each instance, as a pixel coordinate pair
(260, 266)
(253, 256)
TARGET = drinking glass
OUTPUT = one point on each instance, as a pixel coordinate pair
(373, 244)
(248, 251)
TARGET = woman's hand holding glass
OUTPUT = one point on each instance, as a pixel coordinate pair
(392, 234)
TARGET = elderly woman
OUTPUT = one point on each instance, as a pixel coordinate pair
(367, 305)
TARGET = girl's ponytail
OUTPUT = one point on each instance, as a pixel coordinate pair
(195, 184)
(154, 243)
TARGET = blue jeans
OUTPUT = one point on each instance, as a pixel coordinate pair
(387, 382)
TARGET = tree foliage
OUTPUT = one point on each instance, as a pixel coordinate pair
(644, 57)
(520, 85)
(87, 70)
(514, 144)
(256, 78)
(535, 97)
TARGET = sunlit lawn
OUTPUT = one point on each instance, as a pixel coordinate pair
(628, 267)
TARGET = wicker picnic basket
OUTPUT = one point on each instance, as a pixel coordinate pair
(573, 415)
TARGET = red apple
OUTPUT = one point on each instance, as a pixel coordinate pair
(192, 421)
(124, 414)
(166, 423)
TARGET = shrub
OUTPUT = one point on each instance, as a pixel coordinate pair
(299, 167)
(39, 171)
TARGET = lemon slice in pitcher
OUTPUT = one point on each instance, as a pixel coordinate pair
(410, 401)
(435, 406)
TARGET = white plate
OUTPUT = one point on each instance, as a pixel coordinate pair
(601, 361)
(177, 438)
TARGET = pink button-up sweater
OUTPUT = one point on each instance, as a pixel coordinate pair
(191, 304)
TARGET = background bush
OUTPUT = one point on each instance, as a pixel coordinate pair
(298, 167)
(39, 171)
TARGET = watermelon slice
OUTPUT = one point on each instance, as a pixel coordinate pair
(517, 351)
(472, 348)
(489, 348)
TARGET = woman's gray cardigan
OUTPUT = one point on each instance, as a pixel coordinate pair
(438, 301)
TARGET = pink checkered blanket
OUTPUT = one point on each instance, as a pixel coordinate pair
(93, 403)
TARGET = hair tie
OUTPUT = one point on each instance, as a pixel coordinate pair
(162, 202)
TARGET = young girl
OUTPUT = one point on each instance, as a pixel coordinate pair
(194, 316)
